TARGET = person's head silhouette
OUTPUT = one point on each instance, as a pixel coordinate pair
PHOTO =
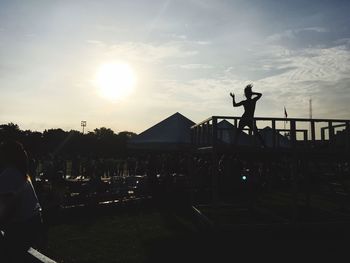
(12, 154)
(20, 211)
(248, 91)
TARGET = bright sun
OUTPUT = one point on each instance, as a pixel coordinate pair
(115, 80)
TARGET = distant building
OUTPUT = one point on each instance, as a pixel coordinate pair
(281, 141)
(173, 133)
(227, 133)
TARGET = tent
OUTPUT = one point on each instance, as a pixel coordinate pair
(227, 133)
(341, 139)
(173, 133)
(281, 141)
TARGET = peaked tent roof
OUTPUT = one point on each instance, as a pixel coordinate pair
(281, 141)
(173, 130)
(227, 133)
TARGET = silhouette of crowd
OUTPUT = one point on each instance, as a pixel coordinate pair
(174, 179)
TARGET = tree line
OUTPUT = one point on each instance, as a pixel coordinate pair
(102, 142)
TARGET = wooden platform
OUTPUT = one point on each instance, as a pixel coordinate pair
(314, 138)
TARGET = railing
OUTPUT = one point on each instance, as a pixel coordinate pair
(35, 256)
(298, 131)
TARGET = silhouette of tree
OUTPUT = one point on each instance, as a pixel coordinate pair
(103, 133)
(127, 135)
(53, 140)
(102, 142)
(33, 142)
(10, 131)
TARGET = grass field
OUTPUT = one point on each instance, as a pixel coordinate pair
(144, 233)
(129, 235)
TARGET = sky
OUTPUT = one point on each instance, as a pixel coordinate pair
(187, 55)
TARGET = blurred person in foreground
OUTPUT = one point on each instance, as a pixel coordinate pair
(20, 211)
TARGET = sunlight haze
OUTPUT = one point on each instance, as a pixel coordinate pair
(115, 81)
(60, 60)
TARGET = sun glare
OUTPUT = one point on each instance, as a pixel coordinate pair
(115, 80)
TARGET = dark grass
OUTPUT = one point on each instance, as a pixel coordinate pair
(137, 233)
(117, 238)
(143, 232)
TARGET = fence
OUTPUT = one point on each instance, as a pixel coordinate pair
(298, 131)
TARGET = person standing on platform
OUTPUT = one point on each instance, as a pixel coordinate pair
(247, 118)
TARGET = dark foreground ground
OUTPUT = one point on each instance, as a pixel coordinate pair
(143, 232)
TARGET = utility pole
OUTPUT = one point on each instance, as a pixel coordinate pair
(310, 115)
(310, 108)
(83, 124)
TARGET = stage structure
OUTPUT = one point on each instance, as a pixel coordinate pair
(297, 140)
(317, 135)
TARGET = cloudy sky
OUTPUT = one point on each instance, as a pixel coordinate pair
(187, 56)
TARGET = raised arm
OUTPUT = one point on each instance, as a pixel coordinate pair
(258, 95)
(234, 101)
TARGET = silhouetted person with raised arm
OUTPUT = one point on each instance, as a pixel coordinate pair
(247, 118)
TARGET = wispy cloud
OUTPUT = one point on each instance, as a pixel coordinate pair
(144, 52)
(96, 43)
(321, 73)
(188, 56)
(292, 78)
(293, 33)
(178, 37)
(191, 66)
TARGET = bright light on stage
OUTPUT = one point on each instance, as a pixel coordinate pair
(115, 80)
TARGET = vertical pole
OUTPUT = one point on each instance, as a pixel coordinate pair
(331, 130)
(233, 133)
(293, 171)
(293, 133)
(273, 124)
(208, 133)
(347, 135)
(284, 126)
(305, 135)
(215, 159)
(250, 132)
(313, 134)
(312, 124)
(83, 124)
(215, 131)
(310, 108)
(323, 137)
